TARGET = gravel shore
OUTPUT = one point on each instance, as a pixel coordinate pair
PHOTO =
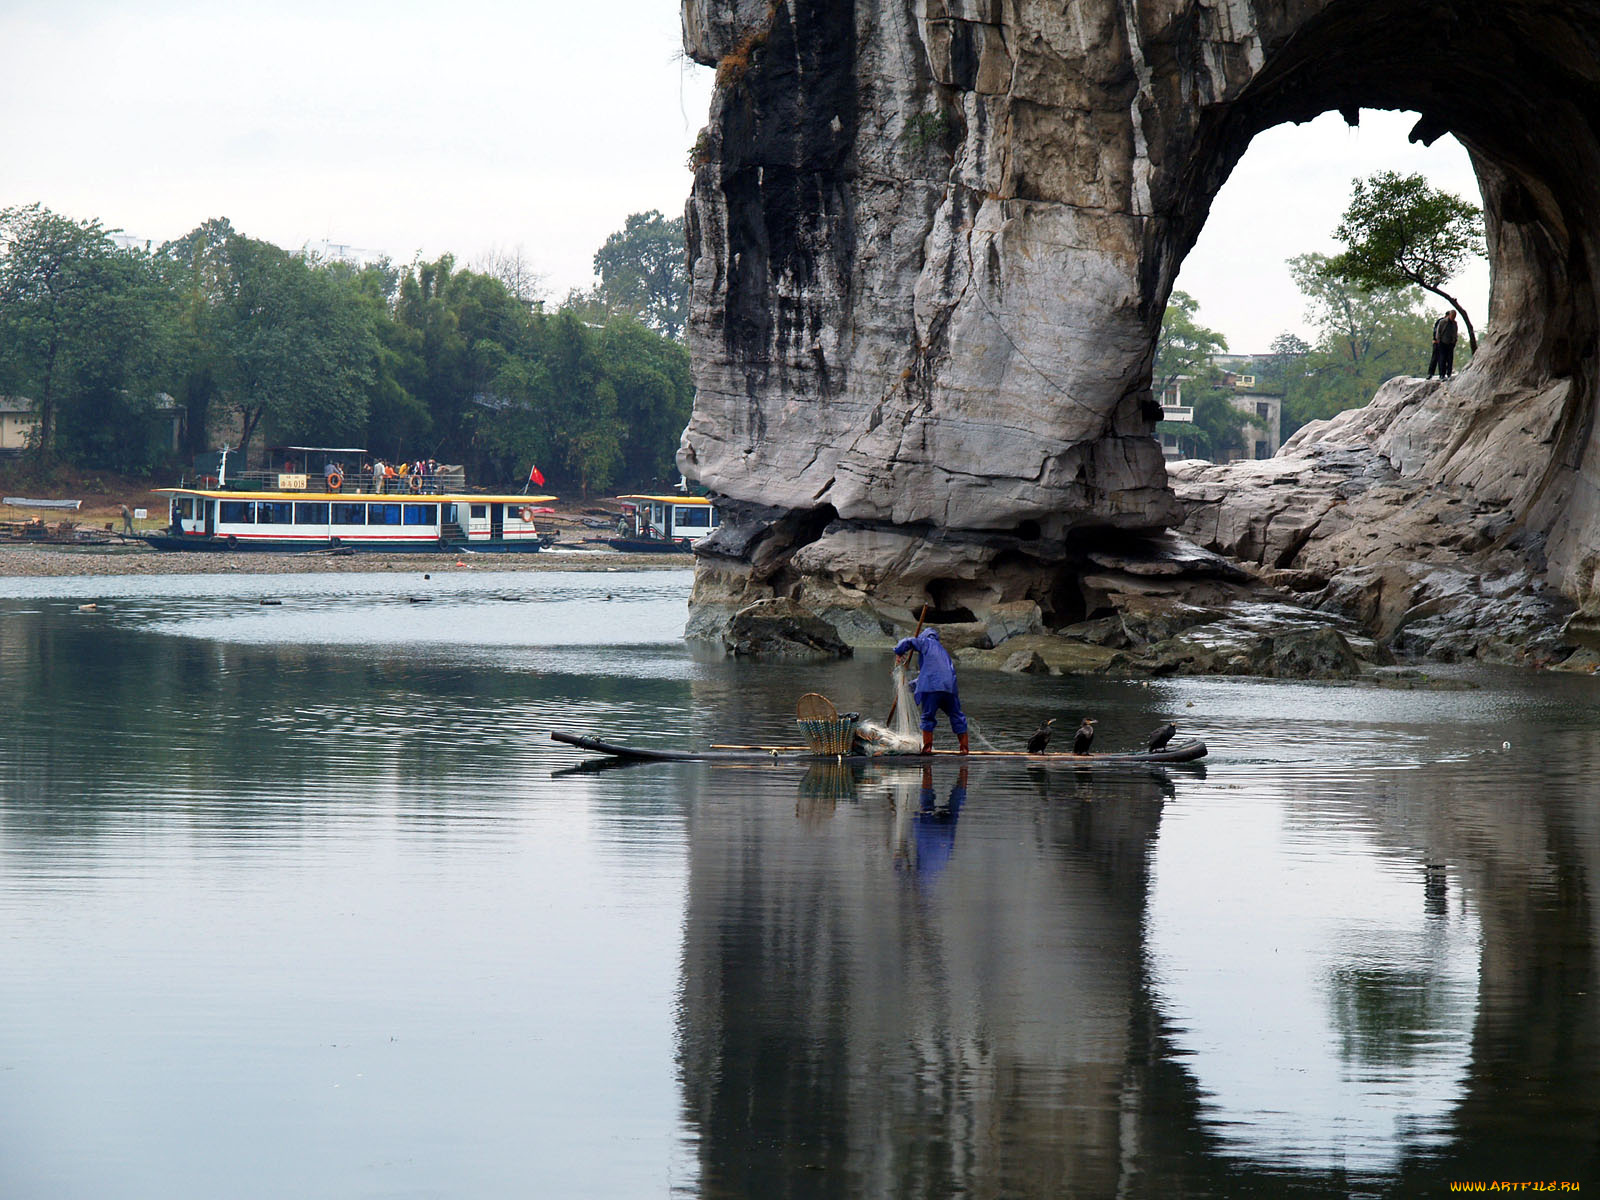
(46, 561)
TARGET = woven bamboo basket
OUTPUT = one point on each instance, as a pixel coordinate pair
(828, 735)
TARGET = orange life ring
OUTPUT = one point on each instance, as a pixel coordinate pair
(335, 481)
(414, 482)
(527, 513)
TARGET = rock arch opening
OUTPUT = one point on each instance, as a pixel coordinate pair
(969, 216)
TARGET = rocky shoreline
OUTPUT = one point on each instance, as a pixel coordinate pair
(50, 561)
(1363, 547)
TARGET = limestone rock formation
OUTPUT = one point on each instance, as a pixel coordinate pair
(782, 629)
(931, 242)
(1390, 515)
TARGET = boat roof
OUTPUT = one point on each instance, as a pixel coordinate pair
(411, 497)
(670, 499)
(320, 449)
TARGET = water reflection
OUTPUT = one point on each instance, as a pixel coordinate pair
(1355, 952)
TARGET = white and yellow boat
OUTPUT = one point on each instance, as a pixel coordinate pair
(317, 505)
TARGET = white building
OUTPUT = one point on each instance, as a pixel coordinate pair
(1261, 439)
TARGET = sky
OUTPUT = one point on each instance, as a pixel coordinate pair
(397, 128)
(1285, 198)
(482, 127)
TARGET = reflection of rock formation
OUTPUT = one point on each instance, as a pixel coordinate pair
(855, 1028)
(931, 244)
(851, 1027)
(1523, 853)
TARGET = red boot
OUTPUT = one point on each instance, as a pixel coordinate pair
(927, 741)
(962, 738)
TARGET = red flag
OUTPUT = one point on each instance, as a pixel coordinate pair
(535, 476)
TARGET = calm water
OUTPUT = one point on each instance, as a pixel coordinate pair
(299, 900)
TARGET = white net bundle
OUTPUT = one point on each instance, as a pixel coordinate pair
(902, 733)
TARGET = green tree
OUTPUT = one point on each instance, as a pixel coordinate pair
(83, 333)
(1366, 336)
(650, 376)
(194, 271)
(643, 269)
(586, 435)
(293, 350)
(1401, 230)
(1184, 348)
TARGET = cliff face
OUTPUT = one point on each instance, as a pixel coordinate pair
(932, 241)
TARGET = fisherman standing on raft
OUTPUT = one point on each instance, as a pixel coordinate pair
(936, 686)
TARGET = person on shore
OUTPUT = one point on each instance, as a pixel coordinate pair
(936, 686)
(127, 519)
(1444, 346)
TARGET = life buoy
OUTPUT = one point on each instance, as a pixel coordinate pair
(527, 513)
(232, 542)
(335, 481)
(414, 482)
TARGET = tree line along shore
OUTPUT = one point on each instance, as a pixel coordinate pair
(136, 359)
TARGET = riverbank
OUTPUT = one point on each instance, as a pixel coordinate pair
(50, 561)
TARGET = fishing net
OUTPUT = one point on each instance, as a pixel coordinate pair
(902, 732)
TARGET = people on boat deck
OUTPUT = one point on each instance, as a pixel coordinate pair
(936, 686)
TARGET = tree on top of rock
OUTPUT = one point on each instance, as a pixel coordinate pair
(1400, 230)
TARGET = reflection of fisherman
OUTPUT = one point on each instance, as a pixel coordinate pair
(936, 686)
(934, 825)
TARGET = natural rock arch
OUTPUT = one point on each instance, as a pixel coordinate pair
(932, 240)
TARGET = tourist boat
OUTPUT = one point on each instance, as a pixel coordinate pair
(663, 524)
(1187, 752)
(315, 504)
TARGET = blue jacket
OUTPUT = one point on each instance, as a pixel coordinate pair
(938, 673)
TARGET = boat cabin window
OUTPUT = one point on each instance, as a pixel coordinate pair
(236, 512)
(480, 512)
(696, 517)
(183, 508)
(274, 512)
(310, 513)
(383, 514)
(349, 514)
(421, 514)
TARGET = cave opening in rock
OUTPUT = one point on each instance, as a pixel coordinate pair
(1282, 202)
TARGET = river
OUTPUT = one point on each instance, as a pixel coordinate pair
(298, 899)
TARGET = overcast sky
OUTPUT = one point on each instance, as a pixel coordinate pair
(407, 128)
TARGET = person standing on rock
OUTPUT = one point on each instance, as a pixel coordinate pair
(1444, 346)
(936, 686)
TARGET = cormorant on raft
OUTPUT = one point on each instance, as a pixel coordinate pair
(1085, 738)
(1041, 737)
(1161, 736)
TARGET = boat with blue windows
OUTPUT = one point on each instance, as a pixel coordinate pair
(663, 524)
(314, 503)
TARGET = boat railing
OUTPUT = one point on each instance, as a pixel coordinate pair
(440, 483)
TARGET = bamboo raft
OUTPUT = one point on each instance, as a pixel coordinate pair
(1185, 752)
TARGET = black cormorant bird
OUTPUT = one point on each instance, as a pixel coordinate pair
(1081, 743)
(1162, 735)
(1040, 738)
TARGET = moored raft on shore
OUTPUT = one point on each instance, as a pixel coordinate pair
(1191, 751)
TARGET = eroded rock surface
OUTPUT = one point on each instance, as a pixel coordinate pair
(1387, 515)
(931, 242)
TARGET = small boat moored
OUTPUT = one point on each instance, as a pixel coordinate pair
(663, 524)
